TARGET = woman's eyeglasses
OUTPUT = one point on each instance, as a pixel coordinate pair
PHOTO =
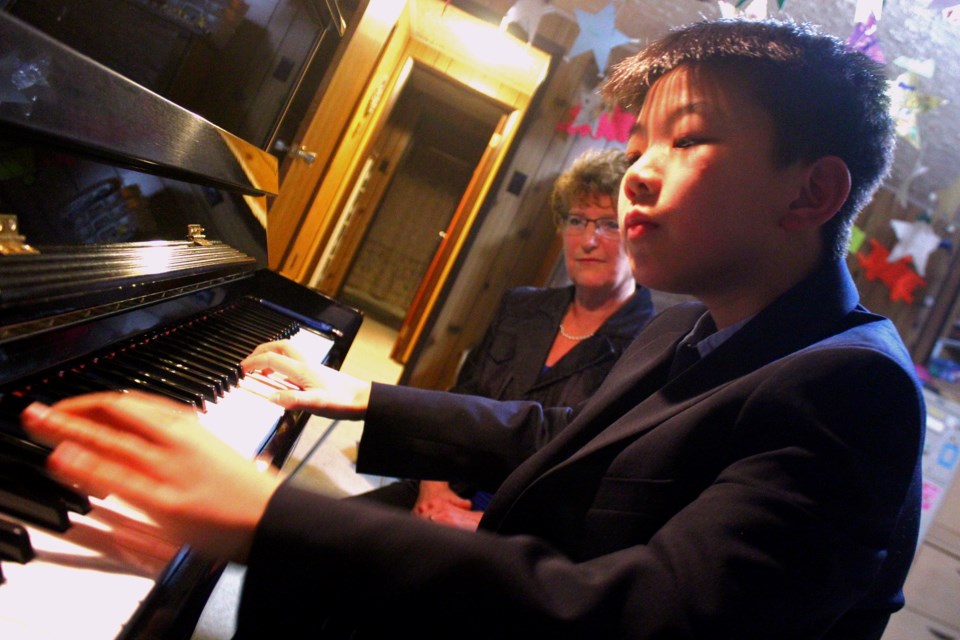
(576, 225)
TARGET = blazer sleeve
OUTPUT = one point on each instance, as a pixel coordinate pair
(490, 440)
(789, 534)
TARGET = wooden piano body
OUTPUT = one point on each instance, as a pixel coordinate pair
(128, 259)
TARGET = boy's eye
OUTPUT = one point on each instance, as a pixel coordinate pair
(633, 156)
(684, 143)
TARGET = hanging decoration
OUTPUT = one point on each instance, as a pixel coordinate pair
(583, 115)
(857, 237)
(948, 201)
(748, 9)
(907, 100)
(867, 8)
(598, 33)
(588, 119)
(915, 239)
(864, 39)
(615, 125)
(527, 14)
(942, 5)
(740, 3)
(900, 279)
(902, 192)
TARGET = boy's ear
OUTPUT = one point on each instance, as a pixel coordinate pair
(824, 187)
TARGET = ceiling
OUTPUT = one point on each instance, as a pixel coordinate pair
(906, 28)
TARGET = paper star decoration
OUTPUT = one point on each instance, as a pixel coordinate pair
(590, 103)
(916, 239)
(598, 33)
(527, 14)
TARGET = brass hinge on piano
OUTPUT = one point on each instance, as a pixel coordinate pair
(11, 242)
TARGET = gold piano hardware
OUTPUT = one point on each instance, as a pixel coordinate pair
(196, 235)
(11, 242)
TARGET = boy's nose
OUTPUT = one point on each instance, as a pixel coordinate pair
(642, 179)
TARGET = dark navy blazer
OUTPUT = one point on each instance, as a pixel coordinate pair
(771, 490)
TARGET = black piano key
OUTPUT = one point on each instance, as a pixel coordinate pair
(70, 385)
(12, 405)
(177, 367)
(23, 448)
(119, 382)
(15, 542)
(153, 381)
(36, 504)
(274, 330)
(275, 324)
(194, 336)
(168, 375)
(34, 474)
(202, 366)
(226, 342)
(202, 356)
(253, 333)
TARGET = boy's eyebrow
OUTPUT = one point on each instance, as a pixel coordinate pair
(676, 114)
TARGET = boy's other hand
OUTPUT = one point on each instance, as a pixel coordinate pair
(323, 391)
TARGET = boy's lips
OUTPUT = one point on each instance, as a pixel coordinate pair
(636, 224)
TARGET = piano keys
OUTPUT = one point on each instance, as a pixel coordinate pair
(108, 280)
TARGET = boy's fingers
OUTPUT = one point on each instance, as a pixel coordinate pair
(150, 418)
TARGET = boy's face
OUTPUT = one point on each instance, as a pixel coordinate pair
(701, 203)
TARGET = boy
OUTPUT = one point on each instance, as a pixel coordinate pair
(769, 489)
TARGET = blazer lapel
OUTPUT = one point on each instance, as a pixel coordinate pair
(533, 343)
(634, 398)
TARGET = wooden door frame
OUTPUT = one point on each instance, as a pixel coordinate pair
(423, 35)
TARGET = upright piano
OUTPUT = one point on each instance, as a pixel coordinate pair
(130, 258)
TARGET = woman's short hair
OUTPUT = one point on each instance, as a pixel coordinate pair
(595, 173)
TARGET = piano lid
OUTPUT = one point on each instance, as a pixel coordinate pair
(51, 92)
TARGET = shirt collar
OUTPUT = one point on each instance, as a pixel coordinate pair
(705, 336)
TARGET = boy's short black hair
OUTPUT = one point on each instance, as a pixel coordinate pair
(825, 99)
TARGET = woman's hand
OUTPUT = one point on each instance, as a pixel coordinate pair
(432, 493)
(439, 503)
(325, 391)
(152, 453)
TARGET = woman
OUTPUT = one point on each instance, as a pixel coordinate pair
(553, 345)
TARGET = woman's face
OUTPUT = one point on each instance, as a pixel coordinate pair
(593, 251)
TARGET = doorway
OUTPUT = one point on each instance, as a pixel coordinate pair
(419, 167)
(357, 146)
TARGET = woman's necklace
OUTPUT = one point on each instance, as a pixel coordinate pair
(574, 338)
